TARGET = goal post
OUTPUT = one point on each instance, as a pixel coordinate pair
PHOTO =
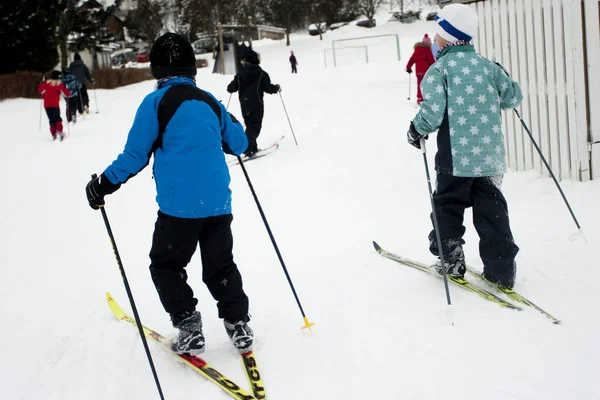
(350, 50)
(367, 41)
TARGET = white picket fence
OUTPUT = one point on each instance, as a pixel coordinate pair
(552, 48)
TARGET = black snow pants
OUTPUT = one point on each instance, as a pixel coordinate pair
(253, 121)
(84, 99)
(173, 245)
(490, 218)
(72, 107)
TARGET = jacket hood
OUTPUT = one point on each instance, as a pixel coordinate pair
(249, 72)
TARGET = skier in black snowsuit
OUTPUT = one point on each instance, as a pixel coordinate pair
(251, 83)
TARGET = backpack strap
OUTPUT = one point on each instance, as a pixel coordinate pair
(170, 102)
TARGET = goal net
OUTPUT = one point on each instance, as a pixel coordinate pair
(363, 50)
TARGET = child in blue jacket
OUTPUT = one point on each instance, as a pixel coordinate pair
(187, 130)
(74, 86)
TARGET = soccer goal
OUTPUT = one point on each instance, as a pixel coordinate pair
(363, 50)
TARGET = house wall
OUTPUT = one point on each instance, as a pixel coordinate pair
(552, 48)
(86, 56)
(115, 27)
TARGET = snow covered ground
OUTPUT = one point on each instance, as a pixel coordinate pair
(382, 330)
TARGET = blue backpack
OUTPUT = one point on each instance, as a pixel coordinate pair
(71, 82)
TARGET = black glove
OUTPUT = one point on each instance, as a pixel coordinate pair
(97, 188)
(502, 68)
(414, 137)
(233, 118)
(409, 70)
(227, 149)
(277, 88)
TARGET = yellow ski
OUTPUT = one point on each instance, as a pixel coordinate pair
(194, 362)
(463, 283)
(253, 375)
(515, 296)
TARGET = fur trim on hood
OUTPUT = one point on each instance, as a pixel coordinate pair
(422, 44)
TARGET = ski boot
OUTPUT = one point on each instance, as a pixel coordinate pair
(454, 264)
(190, 339)
(241, 334)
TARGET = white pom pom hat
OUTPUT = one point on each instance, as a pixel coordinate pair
(457, 22)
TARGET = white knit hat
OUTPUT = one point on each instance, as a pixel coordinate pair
(457, 22)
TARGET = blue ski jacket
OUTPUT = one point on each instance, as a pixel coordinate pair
(185, 128)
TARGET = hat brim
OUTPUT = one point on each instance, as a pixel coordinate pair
(445, 35)
(159, 72)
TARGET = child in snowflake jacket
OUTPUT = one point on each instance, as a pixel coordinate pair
(463, 94)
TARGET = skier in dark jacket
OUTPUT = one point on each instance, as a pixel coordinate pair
(251, 83)
(293, 62)
(187, 130)
(83, 75)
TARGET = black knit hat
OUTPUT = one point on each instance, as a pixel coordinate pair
(172, 55)
(251, 57)
(55, 74)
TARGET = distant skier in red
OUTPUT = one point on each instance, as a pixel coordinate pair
(423, 58)
(51, 90)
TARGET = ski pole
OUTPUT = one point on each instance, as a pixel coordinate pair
(288, 118)
(96, 99)
(230, 94)
(579, 230)
(409, 76)
(307, 324)
(435, 222)
(138, 322)
(41, 106)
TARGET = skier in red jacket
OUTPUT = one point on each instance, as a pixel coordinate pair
(423, 58)
(51, 90)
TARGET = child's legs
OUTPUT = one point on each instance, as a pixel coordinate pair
(54, 119)
(173, 245)
(219, 272)
(497, 247)
(72, 107)
(452, 195)
(253, 122)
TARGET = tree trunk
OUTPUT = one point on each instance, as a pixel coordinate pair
(64, 59)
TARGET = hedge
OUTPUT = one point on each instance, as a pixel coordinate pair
(25, 84)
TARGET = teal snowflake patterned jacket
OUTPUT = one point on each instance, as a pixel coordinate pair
(463, 94)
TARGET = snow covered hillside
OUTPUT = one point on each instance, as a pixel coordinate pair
(382, 330)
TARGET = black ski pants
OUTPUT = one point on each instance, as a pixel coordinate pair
(84, 98)
(72, 107)
(490, 218)
(173, 245)
(253, 121)
(53, 114)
